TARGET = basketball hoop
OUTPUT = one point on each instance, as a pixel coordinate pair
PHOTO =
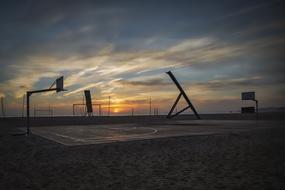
(58, 88)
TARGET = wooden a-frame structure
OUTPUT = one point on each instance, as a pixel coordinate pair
(182, 93)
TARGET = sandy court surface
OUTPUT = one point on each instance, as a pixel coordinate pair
(240, 155)
(97, 134)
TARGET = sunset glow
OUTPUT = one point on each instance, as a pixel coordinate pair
(122, 50)
(116, 110)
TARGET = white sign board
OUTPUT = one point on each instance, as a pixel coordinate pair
(248, 95)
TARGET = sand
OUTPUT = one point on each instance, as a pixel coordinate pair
(244, 160)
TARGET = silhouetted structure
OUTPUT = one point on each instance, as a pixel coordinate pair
(150, 106)
(155, 111)
(249, 96)
(59, 87)
(247, 109)
(2, 107)
(48, 111)
(182, 93)
(23, 106)
(132, 111)
(88, 102)
(74, 106)
(109, 105)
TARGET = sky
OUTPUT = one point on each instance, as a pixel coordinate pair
(122, 49)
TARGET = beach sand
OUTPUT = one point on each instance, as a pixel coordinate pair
(245, 160)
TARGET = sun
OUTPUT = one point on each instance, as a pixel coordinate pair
(116, 110)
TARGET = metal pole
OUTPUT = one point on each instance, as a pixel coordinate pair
(150, 106)
(2, 106)
(28, 113)
(156, 111)
(100, 110)
(29, 93)
(256, 105)
(84, 108)
(73, 110)
(23, 107)
(109, 105)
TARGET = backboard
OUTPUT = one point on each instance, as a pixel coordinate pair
(248, 95)
(59, 84)
(88, 101)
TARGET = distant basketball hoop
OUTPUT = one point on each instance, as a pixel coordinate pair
(87, 107)
(249, 96)
(47, 112)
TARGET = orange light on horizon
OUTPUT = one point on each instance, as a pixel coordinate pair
(116, 110)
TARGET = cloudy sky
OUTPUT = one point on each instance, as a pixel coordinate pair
(122, 49)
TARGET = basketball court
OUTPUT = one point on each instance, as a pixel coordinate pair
(107, 133)
(97, 134)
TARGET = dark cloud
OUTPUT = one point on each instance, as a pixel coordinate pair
(57, 27)
(229, 83)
